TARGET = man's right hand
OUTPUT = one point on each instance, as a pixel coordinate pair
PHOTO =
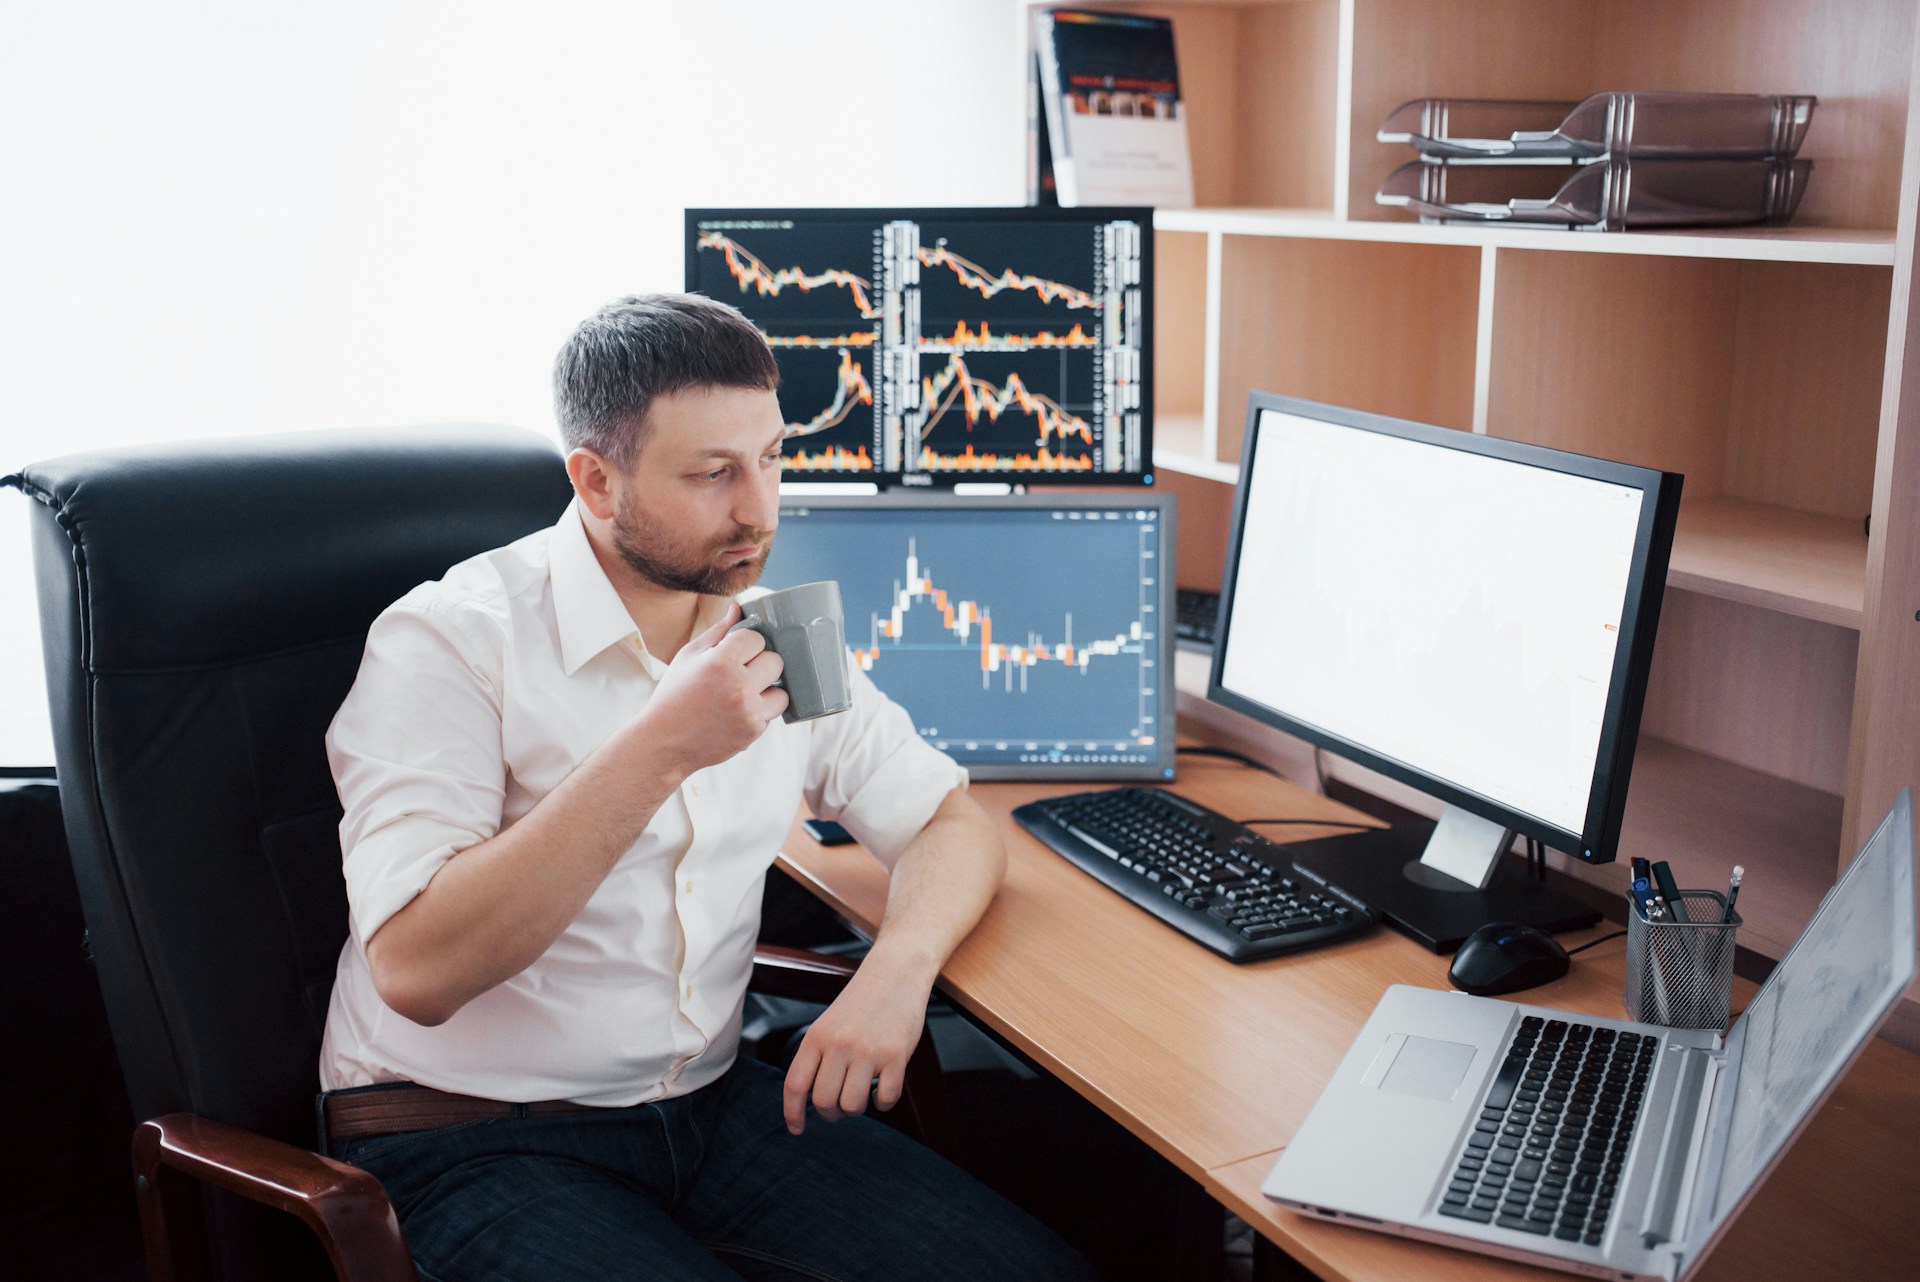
(717, 696)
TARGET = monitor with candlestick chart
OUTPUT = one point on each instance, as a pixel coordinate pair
(1028, 636)
(922, 347)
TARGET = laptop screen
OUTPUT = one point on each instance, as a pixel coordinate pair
(1824, 999)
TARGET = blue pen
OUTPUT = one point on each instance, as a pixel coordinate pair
(1643, 895)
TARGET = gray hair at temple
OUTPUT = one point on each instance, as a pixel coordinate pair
(646, 345)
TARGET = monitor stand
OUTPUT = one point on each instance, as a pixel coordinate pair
(1411, 874)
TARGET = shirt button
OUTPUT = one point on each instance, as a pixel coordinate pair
(687, 885)
(693, 789)
(686, 990)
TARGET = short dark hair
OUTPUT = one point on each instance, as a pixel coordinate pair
(647, 345)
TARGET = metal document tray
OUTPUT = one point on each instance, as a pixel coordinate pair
(1614, 194)
(1640, 125)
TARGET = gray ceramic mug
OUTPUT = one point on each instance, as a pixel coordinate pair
(804, 625)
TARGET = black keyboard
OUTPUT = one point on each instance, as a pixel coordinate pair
(1194, 614)
(1545, 1156)
(1213, 880)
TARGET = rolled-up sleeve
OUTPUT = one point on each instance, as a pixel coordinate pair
(870, 770)
(416, 756)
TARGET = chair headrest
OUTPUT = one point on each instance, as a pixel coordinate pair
(273, 542)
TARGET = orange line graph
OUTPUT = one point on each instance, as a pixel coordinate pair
(853, 390)
(753, 274)
(864, 338)
(963, 336)
(961, 618)
(831, 459)
(968, 460)
(975, 277)
(980, 398)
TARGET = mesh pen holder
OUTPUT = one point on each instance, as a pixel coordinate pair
(1680, 973)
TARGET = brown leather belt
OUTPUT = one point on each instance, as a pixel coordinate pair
(402, 1107)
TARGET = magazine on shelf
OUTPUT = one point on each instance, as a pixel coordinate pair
(1110, 88)
(1041, 189)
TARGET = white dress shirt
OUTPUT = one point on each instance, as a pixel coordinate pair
(477, 695)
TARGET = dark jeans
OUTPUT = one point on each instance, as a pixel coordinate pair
(708, 1186)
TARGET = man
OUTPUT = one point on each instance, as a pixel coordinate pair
(564, 782)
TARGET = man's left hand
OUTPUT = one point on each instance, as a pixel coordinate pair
(868, 1032)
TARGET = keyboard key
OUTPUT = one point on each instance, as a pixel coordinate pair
(1521, 1223)
(1473, 1213)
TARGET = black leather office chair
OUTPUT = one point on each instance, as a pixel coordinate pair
(204, 607)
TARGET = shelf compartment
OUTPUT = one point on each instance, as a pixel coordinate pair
(1706, 814)
(1388, 328)
(1769, 691)
(1799, 563)
(1760, 381)
(1258, 83)
(1854, 57)
(1179, 339)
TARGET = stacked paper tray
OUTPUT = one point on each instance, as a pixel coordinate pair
(1637, 160)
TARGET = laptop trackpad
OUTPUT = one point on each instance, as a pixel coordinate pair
(1422, 1066)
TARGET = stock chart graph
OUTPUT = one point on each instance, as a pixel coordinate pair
(920, 345)
(1016, 633)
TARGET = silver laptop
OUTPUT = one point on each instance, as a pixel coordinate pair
(1601, 1146)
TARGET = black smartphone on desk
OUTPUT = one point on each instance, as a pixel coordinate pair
(827, 832)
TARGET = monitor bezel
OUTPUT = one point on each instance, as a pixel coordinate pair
(1161, 770)
(942, 481)
(1598, 840)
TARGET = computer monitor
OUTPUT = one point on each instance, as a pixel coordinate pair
(1471, 616)
(935, 346)
(1026, 635)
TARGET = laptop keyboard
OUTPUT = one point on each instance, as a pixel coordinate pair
(1546, 1154)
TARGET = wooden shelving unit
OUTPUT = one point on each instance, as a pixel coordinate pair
(1767, 364)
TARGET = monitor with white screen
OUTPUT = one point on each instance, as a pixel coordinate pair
(1022, 633)
(1471, 616)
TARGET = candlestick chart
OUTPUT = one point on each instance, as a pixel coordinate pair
(1009, 635)
(945, 345)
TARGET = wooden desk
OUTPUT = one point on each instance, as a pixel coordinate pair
(1215, 1065)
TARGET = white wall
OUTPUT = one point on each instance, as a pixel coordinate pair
(224, 218)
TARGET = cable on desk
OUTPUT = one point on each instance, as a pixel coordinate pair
(1227, 753)
(1595, 943)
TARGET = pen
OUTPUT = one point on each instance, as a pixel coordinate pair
(1663, 877)
(1733, 892)
(1643, 896)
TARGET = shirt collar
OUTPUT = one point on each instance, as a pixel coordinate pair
(590, 613)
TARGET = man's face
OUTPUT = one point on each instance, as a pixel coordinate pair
(697, 510)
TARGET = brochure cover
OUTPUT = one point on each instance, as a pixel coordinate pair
(1041, 189)
(1111, 89)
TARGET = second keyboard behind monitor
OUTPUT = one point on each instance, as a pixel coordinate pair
(1214, 880)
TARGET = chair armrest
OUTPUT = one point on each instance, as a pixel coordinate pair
(923, 1111)
(798, 974)
(343, 1205)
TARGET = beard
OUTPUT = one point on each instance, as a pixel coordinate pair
(652, 551)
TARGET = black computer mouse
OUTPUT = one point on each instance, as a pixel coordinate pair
(1502, 957)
